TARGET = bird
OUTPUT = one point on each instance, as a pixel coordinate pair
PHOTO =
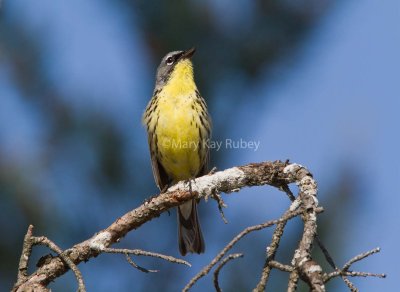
(179, 129)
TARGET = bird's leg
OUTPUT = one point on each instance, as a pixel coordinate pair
(189, 182)
(163, 190)
(212, 171)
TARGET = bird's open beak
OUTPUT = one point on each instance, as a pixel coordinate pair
(189, 53)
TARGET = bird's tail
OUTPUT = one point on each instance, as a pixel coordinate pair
(189, 231)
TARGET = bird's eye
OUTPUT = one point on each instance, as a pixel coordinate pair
(170, 61)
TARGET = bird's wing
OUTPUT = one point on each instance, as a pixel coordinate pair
(205, 134)
(160, 175)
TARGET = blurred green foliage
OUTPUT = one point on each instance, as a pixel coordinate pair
(233, 39)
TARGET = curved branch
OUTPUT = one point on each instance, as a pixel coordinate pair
(146, 253)
(278, 174)
(308, 269)
(345, 270)
(287, 216)
(227, 181)
(221, 265)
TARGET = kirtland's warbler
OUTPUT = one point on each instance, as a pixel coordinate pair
(179, 127)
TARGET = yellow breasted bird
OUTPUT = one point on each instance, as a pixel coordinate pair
(179, 127)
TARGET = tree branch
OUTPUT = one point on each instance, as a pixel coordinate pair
(29, 242)
(221, 265)
(222, 253)
(128, 252)
(225, 181)
(345, 270)
(278, 174)
(271, 251)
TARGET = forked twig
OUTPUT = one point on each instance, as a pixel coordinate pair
(247, 230)
(139, 252)
(221, 265)
(345, 270)
(136, 266)
(29, 242)
(278, 174)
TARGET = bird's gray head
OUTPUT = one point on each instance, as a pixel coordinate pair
(168, 64)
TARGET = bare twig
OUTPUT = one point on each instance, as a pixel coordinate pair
(308, 269)
(278, 174)
(331, 262)
(42, 240)
(360, 257)
(356, 274)
(247, 230)
(277, 265)
(146, 253)
(222, 181)
(136, 266)
(221, 265)
(286, 189)
(325, 251)
(349, 284)
(271, 250)
(29, 242)
(293, 281)
(345, 270)
(25, 255)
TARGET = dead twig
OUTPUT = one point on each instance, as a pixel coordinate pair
(277, 265)
(293, 280)
(215, 183)
(345, 270)
(271, 250)
(139, 252)
(247, 230)
(221, 204)
(29, 242)
(221, 265)
(25, 255)
(136, 266)
(278, 174)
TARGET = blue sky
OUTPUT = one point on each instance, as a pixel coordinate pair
(334, 103)
(340, 105)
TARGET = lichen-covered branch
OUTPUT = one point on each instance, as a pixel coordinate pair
(345, 270)
(278, 174)
(270, 254)
(226, 181)
(308, 269)
(29, 242)
(289, 215)
(302, 266)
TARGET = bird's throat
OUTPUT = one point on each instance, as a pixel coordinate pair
(181, 81)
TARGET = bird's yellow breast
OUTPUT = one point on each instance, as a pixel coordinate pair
(177, 129)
